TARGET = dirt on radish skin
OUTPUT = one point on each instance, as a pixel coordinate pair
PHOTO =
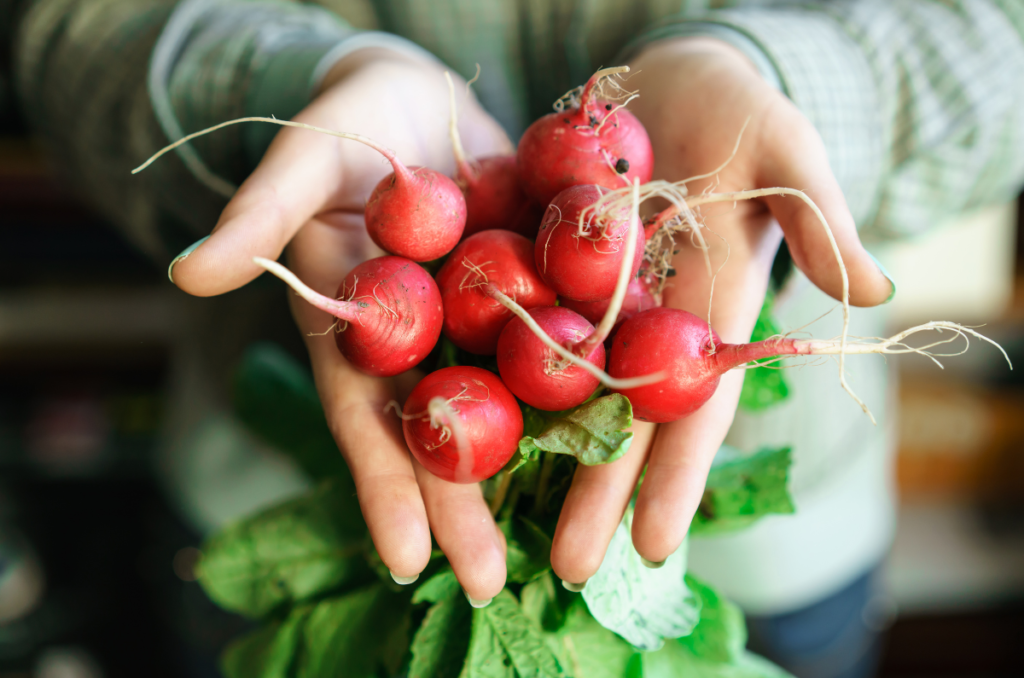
(416, 213)
(389, 313)
(583, 266)
(489, 424)
(595, 142)
(534, 373)
(473, 319)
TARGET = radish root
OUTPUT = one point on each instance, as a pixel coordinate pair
(383, 150)
(604, 328)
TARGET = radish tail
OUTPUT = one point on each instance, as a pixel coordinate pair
(343, 310)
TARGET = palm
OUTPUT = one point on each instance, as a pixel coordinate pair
(695, 97)
(308, 193)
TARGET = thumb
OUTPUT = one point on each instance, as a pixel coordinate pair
(799, 160)
(295, 180)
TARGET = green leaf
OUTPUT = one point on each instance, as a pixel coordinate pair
(742, 489)
(289, 553)
(674, 660)
(439, 587)
(355, 635)
(440, 645)
(588, 650)
(763, 386)
(642, 605)
(486, 657)
(721, 633)
(275, 398)
(519, 637)
(267, 652)
(539, 601)
(592, 432)
(529, 549)
(715, 648)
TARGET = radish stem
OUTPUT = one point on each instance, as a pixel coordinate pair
(343, 310)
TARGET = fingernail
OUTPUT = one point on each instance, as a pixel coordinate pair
(651, 564)
(404, 581)
(184, 255)
(477, 603)
(575, 588)
(887, 275)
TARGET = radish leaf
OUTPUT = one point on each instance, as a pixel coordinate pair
(764, 386)
(289, 553)
(741, 490)
(592, 432)
(529, 549)
(642, 605)
(442, 585)
(355, 635)
(275, 398)
(267, 652)
(441, 642)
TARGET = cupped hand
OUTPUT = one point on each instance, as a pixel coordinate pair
(308, 193)
(695, 96)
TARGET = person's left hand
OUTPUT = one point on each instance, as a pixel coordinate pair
(695, 95)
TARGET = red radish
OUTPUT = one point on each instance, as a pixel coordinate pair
(594, 142)
(473, 319)
(695, 359)
(462, 424)
(414, 212)
(580, 257)
(538, 376)
(639, 297)
(390, 310)
(552, 358)
(494, 195)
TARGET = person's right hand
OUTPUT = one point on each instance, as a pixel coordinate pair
(309, 192)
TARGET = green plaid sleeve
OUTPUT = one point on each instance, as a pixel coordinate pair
(920, 103)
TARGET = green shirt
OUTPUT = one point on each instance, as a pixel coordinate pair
(920, 103)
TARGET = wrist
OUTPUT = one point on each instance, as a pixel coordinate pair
(687, 48)
(360, 59)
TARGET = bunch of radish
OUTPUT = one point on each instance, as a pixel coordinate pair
(547, 267)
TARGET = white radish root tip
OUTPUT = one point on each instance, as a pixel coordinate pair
(383, 150)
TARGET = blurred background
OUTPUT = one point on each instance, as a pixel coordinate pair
(96, 556)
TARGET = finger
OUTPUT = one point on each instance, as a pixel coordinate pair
(299, 176)
(677, 471)
(801, 162)
(465, 531)
(593, 509)
(370, 440)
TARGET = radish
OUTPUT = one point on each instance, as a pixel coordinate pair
(473, 319)
(495, 198)
(414, 212)
(595, 141)
(462, 424)
(695, 359)
(390, 312)
(552, 358)
(579, 249)
(538, 376)
(640, 296)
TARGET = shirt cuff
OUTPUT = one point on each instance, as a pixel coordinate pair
(288, 80)
(815, 62)
(709, 29)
